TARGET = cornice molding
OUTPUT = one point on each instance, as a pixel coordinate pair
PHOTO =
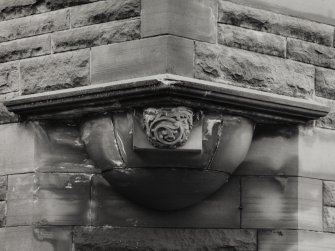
(167, 89)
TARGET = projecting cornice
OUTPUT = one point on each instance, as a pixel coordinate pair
(168, 90)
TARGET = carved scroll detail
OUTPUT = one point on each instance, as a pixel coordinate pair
(168, 127)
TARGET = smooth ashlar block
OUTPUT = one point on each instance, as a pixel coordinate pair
(281, 202)
(194, 19)
(145, 57)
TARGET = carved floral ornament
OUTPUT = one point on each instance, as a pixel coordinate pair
(168, 127)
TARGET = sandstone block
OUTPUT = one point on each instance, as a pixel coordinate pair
(34, 25)
(6, 116)
(9, 77)
(145, 57)
(3, 187)
(54, 72)
(109, 238)
(329, 219)
(100, 34)
(329, 193)
(25, 48)
(280, 202)
(253, 70)
(16, 149)
(240, 15)
(18, 8)
(194, 19)
(293, 240)
(252, 40)
(221, 210)
(104, 11)
(48, 199)
(325, 83)
(2, 213)
(311, 53)
(36, 239)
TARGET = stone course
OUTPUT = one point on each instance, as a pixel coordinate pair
(104, 11)
(9, 77)
(239, 15)
(253, 70)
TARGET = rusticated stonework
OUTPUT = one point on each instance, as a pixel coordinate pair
(168, 127)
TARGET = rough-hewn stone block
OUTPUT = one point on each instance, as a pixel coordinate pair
(253, 70)
(221, 210)
(273, 151)
(329, 193)
(16, 149)
(329, 219)
(145, 57)
(100, 34)
(109, 238)
(266, 21)
(25, 48)
(252, 40)
(58, 71)
(34, 25)
(104, 11)
(194, 19)
(19, 8)
(3, 187)
(48, 199)
(9, 77)
(293, 240)
(325, 83)
(2, 213)
(280, 202)
(6, 116)
(311, 53)
(36, 239)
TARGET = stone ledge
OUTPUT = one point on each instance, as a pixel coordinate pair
(167, 89)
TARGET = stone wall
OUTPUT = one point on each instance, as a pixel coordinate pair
(51, 195)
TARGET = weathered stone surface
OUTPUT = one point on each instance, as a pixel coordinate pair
(16, 149)
(311, 53)
(25, 48)
(325, 82)
(36, 239)
(293, 240)
(3, 187)
(48, 199)
(253, 70)
(328, 121)
(109, 238)
(329, 219)
(100, 34)
(220, 210)
(280, 202)
(104, 11)
(145, 57)
(191, 19)
(59, 149)
(6, 116)
(273, 151)
(34, 25)
(329, 193)
(58, 71)
(9, 77)
(261, 20)
(316, 153)
(2, 213)
(252, 40)
(19, 8)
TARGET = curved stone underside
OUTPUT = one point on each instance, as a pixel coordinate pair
(165, 178)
